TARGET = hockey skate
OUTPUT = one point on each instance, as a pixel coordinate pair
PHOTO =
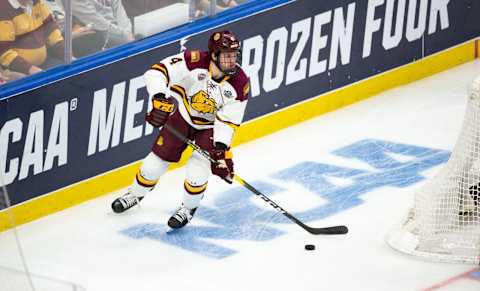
(125, 202)
(181, 217)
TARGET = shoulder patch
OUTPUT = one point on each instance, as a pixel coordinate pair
(196, 59)
(195, 56)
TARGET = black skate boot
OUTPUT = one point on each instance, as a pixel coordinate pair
(125, 202)
(181, 217)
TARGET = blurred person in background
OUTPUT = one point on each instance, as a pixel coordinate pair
(30, 39)
(107, 18)
(139, 7)
(85, 40)
(8, 75)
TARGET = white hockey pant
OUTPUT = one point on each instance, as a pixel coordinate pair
(198, 172)
(147, 177)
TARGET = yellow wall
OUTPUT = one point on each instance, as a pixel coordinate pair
(251, 130)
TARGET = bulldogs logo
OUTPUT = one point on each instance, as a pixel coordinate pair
(201, 102)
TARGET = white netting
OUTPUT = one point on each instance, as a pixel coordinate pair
(14, 273)
(444, 223)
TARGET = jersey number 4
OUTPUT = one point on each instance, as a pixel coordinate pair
(173, 61)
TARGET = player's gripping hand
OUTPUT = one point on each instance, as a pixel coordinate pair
(162, 107)
(224, 166)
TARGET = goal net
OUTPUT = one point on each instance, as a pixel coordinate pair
(444, 223)
(14, 272)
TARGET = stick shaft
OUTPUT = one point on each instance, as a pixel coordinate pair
(339, 229)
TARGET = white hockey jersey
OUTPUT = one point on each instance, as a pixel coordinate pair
(202, 101)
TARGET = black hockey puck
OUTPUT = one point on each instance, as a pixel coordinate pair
(309, 247)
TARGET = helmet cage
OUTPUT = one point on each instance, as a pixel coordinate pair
(225, 41)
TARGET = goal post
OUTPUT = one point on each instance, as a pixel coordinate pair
(444, 222)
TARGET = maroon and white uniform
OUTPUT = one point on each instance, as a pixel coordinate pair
(203, 102)
(187, 97)
(207, 111)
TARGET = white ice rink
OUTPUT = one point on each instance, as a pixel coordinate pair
(357, 166)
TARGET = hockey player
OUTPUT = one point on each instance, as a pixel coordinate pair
(203, 96)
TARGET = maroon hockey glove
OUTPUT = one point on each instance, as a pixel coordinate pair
(224, 167)
(162, 107)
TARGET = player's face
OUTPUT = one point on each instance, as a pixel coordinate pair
(227, 60)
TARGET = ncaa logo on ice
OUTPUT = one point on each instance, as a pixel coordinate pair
(234, 216)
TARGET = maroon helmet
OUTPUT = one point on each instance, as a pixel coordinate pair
(224, 41)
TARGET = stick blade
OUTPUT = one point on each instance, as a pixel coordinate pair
(332, 230)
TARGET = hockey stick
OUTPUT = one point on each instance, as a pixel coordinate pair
(339, 229)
